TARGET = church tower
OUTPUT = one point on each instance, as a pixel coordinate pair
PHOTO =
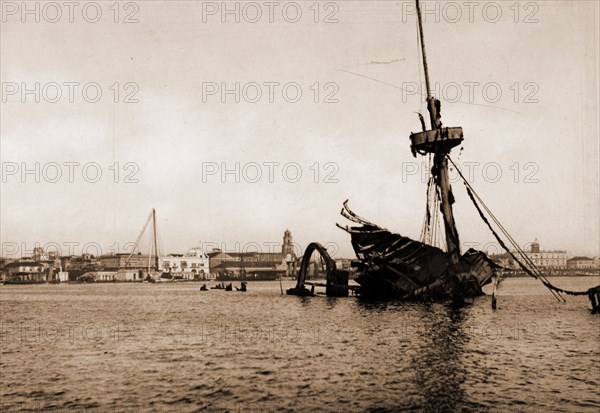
(287, 248)
(535, 246)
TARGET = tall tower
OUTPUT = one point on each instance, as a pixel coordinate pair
(287, 249)
(535, 246)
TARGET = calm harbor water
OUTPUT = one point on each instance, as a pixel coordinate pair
(171, 347)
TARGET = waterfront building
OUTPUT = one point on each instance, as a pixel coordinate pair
(254, 264)
(581, 263)
(194, 264)
(129, 275)
(86, 262)
(76, 266)
(39, 267)
(101, 275)
(248, 264)
(556, 259)
(107, 276)
(26, 271)
(113, 262)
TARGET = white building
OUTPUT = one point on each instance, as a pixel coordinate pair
(194, 264)
(128, 275)
(104, 275)
(547, 259)
(26, 270)
(582, 263)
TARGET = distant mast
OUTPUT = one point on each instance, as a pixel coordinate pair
(155, 239)
(438, 141)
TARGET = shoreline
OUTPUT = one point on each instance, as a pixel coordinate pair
(520, 274)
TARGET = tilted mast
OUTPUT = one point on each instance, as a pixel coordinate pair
(438, 141)
(153, 237)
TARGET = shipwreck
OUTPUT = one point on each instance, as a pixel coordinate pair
(391, 265)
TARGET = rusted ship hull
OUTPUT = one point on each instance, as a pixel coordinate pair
(393, 266)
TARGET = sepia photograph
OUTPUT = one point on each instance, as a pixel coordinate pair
(300, 206)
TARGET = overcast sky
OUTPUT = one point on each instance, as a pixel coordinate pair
(521, 80)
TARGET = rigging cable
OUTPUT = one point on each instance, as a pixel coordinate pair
(533, 271)
(555, 290)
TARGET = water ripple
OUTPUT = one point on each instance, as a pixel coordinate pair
(134, 347)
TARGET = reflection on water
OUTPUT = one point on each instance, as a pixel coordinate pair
(134, 347)
(440, 373)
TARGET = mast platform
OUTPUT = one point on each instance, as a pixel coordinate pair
(436, 141)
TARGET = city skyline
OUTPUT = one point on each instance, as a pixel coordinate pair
(15, 250)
